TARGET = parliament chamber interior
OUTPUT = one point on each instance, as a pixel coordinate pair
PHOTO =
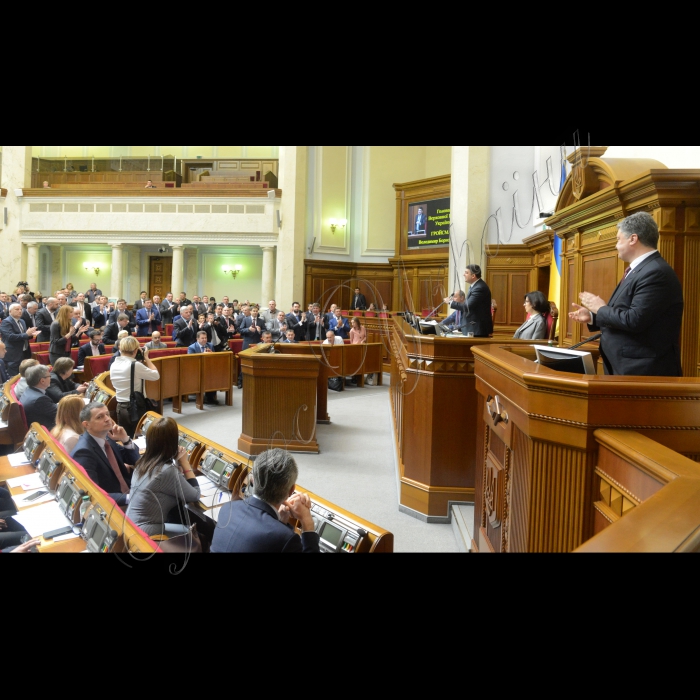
(350, 349)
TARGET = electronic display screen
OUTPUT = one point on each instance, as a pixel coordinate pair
(30, 445)
(184, 442)
(99, 534)
(218, 467)
(331, 535)
(429, 224)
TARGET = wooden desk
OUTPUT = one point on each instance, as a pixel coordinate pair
(536, 478)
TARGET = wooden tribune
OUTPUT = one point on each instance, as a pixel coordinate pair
(280, 401)
(537, 483)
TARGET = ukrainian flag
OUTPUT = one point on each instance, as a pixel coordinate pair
(555, 274)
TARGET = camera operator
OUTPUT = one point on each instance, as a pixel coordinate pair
(145, 371)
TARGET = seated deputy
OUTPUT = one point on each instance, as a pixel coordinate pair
(62, 383)
(21, 385)
(38, 407)
(163, 483)
(260, 523)
(535, 328)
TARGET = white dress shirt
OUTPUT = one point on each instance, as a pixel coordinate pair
(120, 374)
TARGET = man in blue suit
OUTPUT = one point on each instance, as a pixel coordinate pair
(148, 319)
(339, 325)
(200, 347)
(260, 523)
(38, 407)
(102, 458)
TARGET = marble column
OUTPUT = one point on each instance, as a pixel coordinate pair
(471, 166)
(16, 175)
(191, 274)
(117, 272)
(268, 275)
(292, 237)
(33, 265)
(178, 270)
(136, 278)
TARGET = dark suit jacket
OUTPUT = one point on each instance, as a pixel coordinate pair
(294, 323)
(91, 457)
(87, 311)
(116, 314)
(14, 342)
(4, 376)
(641, 324)
(44, 321)
(311, 328)
(476, 312)
(220, 332)
(58, 342)
(28, 319)
(252, 527)
(39, 408)
(168, 313)
(100, 319)
(86, 352)
(250, 336)
(184, 336)
(138, 305)
(4, 310)
(359, 303)
(112, 332)
(60, 388)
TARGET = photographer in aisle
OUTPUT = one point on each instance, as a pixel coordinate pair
(133, 362)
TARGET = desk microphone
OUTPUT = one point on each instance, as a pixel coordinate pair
(592, 339)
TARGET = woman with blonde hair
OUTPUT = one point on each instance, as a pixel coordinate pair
(71, 293)
(62, 334)
(68, 426)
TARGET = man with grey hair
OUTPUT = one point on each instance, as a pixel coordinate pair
(38, 407)
(260, 523)
(641, 324)
(16, 336)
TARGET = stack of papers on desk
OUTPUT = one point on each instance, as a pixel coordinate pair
(18, 460)
(140, 443)
(216, 499)
(428, 323)
(31, 482)
(46, 518)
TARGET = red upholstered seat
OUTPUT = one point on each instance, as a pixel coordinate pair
(550, 320)
(74, 355)
(42, 358)
(236, 346)
(356, 313)
(383, 315)
(169, 330)
(23, 415)
(99, 364)
(370, 314)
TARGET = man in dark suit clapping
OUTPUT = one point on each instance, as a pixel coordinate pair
(641, 324)
(45, 317)
(185, 329)
(16, 337)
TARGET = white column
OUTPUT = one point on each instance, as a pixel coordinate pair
(116, 289)
(292, 237)
(178, 270)
(470, 209)
(16, 174)
(33, 265)
(268, 274)
(191, 273)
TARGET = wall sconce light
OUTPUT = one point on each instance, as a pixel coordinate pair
(92, 266)
(233, 271)
(335, 223)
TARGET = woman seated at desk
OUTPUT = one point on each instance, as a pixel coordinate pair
(535, 328)
(68, 426)
(62, 383)
(163, 483)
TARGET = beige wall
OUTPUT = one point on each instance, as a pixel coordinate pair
(674, 157)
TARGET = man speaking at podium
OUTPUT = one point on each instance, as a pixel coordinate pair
(641, 324)
(473, 310)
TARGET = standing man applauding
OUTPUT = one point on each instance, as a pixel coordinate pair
(148, 319)
(185, 329)
(16, 337)
(641, 324)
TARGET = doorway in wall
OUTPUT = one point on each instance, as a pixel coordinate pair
(160, 277)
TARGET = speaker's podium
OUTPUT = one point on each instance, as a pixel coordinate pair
(536, 451)
(279, 409)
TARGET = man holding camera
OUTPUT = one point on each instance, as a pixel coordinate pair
(120, 374)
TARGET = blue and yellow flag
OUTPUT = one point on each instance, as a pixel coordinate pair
(555, 274)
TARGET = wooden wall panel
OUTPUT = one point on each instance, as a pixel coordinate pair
(600, 273)
(331, 282)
